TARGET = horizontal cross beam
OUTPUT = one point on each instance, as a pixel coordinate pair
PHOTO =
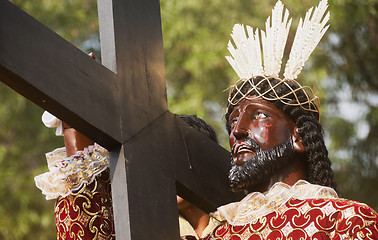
(54, 74)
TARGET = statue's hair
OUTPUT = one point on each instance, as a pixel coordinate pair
(200, 125)
(318, 166)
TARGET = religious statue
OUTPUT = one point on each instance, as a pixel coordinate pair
(278, 153)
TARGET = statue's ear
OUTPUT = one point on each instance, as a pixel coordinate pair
(297, 141)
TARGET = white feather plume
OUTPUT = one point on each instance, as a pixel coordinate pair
(274, 39)
(245, 56)
(309, 32)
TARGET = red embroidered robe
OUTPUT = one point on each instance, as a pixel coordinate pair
(302, 211)
(86, 214)
(308, 219)
(81, 184)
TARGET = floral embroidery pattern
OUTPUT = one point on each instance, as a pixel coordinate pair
(86, 214)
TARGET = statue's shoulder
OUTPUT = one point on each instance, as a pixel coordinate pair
(352, 218)
(360, 208)
(359, 218)
(346, 207)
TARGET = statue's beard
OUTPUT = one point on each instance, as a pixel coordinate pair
(260, 168)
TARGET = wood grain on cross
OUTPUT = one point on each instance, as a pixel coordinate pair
(122, 106)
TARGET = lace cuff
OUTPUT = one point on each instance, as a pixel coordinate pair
(68, 174)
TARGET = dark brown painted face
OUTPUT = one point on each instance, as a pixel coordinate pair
(260, 121)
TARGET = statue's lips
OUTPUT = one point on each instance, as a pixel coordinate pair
(242, 152)
(243, 148)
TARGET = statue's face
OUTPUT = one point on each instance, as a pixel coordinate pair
(259, 121)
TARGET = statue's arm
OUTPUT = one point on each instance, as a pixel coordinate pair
(74, 141)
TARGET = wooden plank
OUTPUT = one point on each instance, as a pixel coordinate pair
(150, 181)
(132, 47)
(201, 174)
(120, 194)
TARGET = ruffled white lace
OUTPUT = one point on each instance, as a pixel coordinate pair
(256, 205)
(68, 174)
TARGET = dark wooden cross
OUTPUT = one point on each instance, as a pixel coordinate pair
(121, 105)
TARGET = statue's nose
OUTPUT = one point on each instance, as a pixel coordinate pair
(240, 130)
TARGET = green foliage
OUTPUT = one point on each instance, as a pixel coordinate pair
(23, 141)
(73, 20)
(352, 102)
(196, 32)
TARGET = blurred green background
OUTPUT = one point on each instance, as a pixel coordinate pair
(343, 68)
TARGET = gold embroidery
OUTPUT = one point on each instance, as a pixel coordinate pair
(87, 211)
(360, 235)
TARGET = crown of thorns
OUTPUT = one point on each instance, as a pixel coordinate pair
(248, 55)
(302, 96)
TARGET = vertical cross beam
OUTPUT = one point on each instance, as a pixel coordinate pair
(131, 46)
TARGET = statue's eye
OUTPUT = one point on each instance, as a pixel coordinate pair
(260, 115)
(233, 122)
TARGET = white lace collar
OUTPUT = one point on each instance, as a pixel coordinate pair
(256, 204)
